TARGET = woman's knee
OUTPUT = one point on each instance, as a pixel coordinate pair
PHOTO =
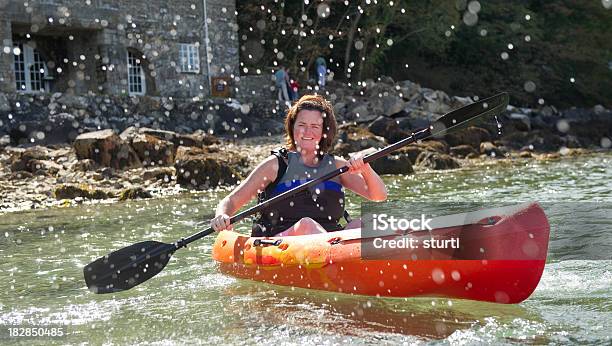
(306, 222)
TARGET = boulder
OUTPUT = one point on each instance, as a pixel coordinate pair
(84, 165)
(44, 167)
(472, 135)
(490, 149)
(435, 145)
(159, 173)
(395, 163)
(69, 191)
(462, 150)
(361, 114)
(412, 151)
(387, 128)
(392, 104)
(352, 139)
(134, 193)
(199, 169)
(437, 161)
(522, 121)
(197, 139)
(107, 149)
(21, 159)
(153, 151)
(437, 101)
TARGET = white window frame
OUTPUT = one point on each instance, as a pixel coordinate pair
(33, 81)
(136, 77)
(189, 57)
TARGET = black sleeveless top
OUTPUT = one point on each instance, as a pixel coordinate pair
(324, 202)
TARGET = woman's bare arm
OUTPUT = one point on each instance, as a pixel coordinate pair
(364, 181)
(257, 181)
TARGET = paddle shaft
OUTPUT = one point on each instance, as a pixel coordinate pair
(421, 134)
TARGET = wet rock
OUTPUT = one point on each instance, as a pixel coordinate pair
(129, 133)
(21, 158)
(395, 163)
(412, 151)
(387, 128)
(391, 105)
(70, 191)
(106, 148)
(462, 150)
(84, 165)
(134, 193)
(160, 173)
(153, 151)
(525, 154)
(564, 151)
(435, 145)
(199, 169)
(352, 139)
(20, 175)
(409, 89)
(437, 161)
(522, 121)
(360, 113)
(490, 149)
(44, 167)
(197, 139)
(436, 102)
(472, 136)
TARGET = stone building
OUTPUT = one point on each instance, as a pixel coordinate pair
(117, 47)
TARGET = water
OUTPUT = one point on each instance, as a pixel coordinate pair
(42, 254)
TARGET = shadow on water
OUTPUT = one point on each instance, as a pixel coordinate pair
(351, 315)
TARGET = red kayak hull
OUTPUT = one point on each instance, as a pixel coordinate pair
(501, 262)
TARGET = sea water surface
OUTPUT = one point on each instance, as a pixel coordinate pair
(42, 254)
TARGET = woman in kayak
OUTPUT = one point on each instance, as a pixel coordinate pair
(310, 129)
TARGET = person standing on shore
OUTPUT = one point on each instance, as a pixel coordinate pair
(282, 81)
(321, 70)
(294, 86)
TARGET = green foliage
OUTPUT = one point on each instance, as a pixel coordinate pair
(562, 39)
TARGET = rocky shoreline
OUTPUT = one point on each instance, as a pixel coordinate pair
(64, 150)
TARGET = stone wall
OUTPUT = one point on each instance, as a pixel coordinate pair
(94, 38)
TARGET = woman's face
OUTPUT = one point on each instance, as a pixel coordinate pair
(308, 131)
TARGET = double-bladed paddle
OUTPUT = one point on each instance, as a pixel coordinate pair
(128, 267)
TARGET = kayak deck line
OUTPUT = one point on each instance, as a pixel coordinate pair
(497, 262)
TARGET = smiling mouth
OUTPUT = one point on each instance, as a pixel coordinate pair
(307, 138)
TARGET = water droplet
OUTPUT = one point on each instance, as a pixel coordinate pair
(470, 19)
(563, 126)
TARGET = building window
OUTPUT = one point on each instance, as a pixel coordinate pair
(136, 77)
(189, 56)
(30, 69)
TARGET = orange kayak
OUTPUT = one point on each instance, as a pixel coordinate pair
(495, 255)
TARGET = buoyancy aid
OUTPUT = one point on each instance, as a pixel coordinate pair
(324, 203)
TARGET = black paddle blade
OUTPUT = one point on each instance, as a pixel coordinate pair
(128, 267)
(470, 114)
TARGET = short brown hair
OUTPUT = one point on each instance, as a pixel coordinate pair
(312, 103)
